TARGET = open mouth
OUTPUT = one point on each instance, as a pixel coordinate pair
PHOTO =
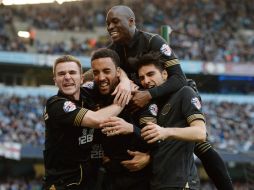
(103, 85)
(114, 34)
(68, 85)
(150, 86)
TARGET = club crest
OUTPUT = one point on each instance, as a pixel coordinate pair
(165, 109)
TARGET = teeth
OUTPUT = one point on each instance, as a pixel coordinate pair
(68, 85)
(114, 33)
(103, 84)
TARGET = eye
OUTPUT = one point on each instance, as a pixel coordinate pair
(95, 73)
(150, 74)
(61, 73)
(73, 72)
(107, 71)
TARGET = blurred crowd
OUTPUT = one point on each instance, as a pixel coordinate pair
(35, 184)
(220, 31)
(230, 125)
(19, 184)
(21, 120)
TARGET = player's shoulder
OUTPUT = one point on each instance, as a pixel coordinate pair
(54, 99)
(187, 90)
(148, 35)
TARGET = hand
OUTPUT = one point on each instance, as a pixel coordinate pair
(122, 93)
(138, 162)
(134, 87)
(139, 99)
(105, 159)
(116, 126)
(153, 132)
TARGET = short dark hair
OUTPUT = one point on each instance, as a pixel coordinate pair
(154, 58)
(105, 52)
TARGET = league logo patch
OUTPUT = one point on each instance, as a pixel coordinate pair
(153, 108)
(195, 101)
(88, 84)
(166, 50)
(69, 106)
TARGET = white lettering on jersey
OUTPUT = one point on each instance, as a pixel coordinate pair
(87, 136)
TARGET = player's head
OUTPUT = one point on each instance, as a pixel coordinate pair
(151, 71)
(67, 75)
(105, 65)
(121, 24)
(88, 75)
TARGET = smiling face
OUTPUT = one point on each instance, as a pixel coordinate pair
(150, 76)
(106, 74)
(120, 25)
(68, 78)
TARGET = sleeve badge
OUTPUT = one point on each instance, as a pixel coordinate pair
(195, 101)
(153, 108)
(88, 84)
(166, 50)
(69, 106)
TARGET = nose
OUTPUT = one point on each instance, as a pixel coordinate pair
(110, 26)
(67, 76)
(146, 80)
(101, 76)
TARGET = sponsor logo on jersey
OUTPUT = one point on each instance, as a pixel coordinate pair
(166, 50)
(195, 101)
(69, 106)
(153, 108)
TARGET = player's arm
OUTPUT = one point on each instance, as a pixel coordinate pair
(195, 132)
(191, 109)
(176, 77)
(123, 90)
(139, 161)
(94, 118)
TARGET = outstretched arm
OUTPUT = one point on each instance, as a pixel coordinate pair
(94, 118)
(195, 132)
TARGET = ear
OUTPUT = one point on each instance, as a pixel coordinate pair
(131, 21)
(164, 75)
(81, 79)
(118, 71)
(54, 79)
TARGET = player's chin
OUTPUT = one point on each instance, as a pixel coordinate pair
(116, 39)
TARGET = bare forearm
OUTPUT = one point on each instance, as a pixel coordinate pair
(194, 133)
(93, 119)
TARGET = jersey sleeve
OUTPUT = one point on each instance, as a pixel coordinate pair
(148, 114)
(66, 112)
(191, 105)
(176, 77)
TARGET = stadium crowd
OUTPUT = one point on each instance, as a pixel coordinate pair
(21, 121)
(20, 184)
(203, 30)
